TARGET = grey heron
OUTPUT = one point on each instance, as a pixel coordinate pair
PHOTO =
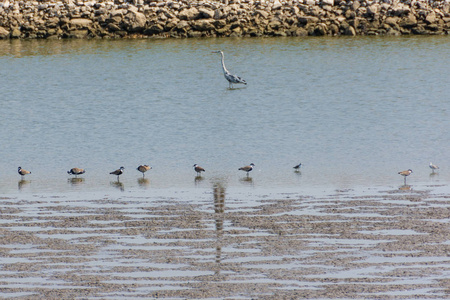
(228, 76)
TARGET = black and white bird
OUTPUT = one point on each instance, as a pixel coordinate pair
(118, 172)
(228, 76)
(405, 173)
(247, 168)
(76, 171)
(433, 167)
(198, 169)
(143, 169)
(23, 172)
(297, 167)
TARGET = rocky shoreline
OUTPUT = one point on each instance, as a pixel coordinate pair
(232, 18)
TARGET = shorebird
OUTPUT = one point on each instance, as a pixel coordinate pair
(405, 173)
(198, 169)
(23, 172)
(433, 167)
(143, 169)
(297, 167)
(118, 172)
(247, 168)
(228, 76)
(76, 171)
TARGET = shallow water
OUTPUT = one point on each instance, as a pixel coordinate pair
(354, 111)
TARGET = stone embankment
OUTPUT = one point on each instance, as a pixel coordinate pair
(235, 18)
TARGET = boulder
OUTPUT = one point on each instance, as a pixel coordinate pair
(203, 25)
(189, 14)
(431, 18)
(408, 22)
(276, 5)
(80, 23)
(4, 33)
(134, 21)
(328, 2)
(350, 31)
(206, 13)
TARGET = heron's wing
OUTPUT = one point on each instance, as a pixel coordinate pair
(235, 79)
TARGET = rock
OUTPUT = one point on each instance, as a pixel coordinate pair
(203, 25)
(15, 33)
(154, 29)
(308, 19)
(408, 22)
(350, 31)
(392, 21)
(80, 23)
(189, 14)
(4, 34)
(130, 18)
(373, 9)
(431, 18)
(135, 21)
(78, 34)
(321, 29)
(276, 5)
(206, 13)
(328, 2)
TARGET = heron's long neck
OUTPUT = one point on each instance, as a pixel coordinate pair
(223, 64)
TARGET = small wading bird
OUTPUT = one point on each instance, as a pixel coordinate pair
(143, 169)
(23, 172)
(228, 76)
(247, 168)
(76, 171)
(433, 167)
(405, 173)
(118, 172)
(297, 167)
(198, 169)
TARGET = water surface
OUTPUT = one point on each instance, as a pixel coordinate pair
(354, 111)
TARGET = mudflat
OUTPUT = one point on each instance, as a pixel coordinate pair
(371, 244)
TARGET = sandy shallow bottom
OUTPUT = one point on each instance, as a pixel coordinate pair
(224, 243)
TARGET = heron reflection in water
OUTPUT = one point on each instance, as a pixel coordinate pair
(219, 210)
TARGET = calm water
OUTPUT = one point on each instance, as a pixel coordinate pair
(354, 111)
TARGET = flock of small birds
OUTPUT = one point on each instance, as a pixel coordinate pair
(198, 170)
